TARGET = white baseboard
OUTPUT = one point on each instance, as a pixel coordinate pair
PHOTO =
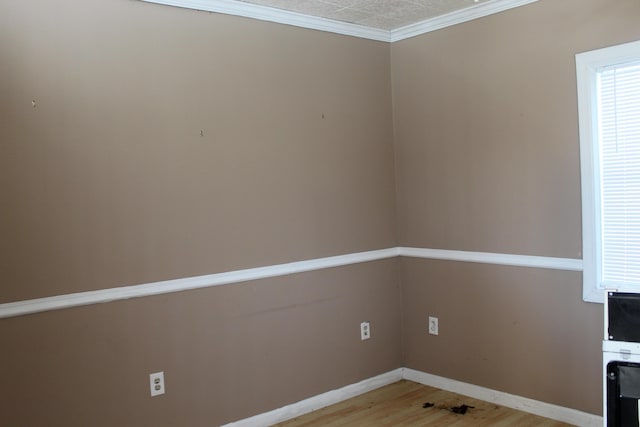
(555, 412)
(547, 410)
(320, 401)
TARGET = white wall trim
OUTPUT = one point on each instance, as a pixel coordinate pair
(156, 288)
(555, 412)
(279, 16)
(494, 258)
(58, 302)
(320, 401)
(264, 13)
(454, 18)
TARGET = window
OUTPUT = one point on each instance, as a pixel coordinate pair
(609, 113)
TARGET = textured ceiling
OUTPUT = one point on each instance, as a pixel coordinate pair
(381, 14)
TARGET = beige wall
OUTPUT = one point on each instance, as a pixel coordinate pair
(523, 331)
(487, 158)
(108, 182)
(227, 352)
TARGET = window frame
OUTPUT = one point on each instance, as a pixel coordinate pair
(588, 65)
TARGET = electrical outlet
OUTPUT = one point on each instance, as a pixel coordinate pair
(433, 325)
(156, 382)
(365, 331)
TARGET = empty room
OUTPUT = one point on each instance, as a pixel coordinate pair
(236, 213)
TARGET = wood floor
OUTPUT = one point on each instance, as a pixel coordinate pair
(401, 404)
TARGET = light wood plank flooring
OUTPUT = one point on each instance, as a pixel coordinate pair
(401, 404)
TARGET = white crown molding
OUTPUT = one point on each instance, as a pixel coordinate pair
(494, 258)
(264, 13)
(457, 17)
(279, 16)
(543, 409)
(320, 401)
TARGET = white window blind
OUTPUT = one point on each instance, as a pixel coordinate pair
(618, 94)
(609, 122)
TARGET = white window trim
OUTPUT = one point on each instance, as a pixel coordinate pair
(587, 66)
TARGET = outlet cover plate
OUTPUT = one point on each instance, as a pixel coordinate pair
(365, 331)
(433, 325)
(156, 383)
